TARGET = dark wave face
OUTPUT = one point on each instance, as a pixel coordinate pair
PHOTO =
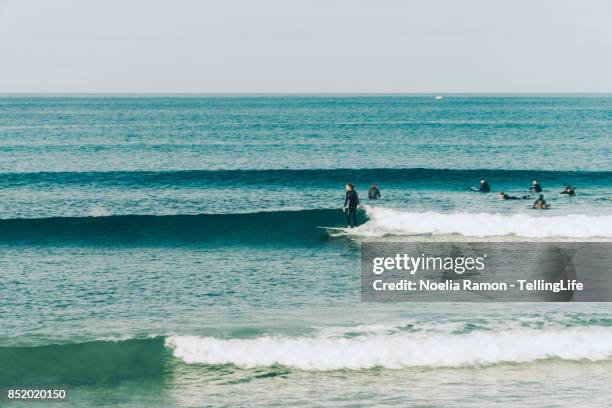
(82, 363)
(218, 229)
(419, 178)
(76, 194)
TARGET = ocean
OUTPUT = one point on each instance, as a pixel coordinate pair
(163, 251)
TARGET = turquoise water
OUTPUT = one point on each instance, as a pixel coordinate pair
(163, 251)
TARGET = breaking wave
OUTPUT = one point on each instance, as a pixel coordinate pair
(386, 221)
(399, 350)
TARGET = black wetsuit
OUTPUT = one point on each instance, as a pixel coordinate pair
(352, 199)
(484, 187)
(374, 193)
(509, 197)
(569, 192)
(536, 188)
(540, 203)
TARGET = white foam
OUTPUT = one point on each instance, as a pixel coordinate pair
(99, 211)
(385, 221)
(399, 350)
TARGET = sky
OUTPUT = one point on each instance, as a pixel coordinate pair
(307, 46)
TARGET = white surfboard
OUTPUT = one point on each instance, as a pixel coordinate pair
(334, 230)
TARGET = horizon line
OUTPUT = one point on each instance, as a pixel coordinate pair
(444, 94)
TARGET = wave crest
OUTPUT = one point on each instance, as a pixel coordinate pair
(398, 350)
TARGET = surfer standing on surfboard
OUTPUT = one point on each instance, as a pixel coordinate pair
(352, 199)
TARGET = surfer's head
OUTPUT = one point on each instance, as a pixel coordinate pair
(534, 182)
(349, 187)
(482, 180)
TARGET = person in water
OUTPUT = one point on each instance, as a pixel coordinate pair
(536, 187)
(504, 196)
(540, 203)
(569, 190)
(374, 193)
(484, 186)
(352, 200)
